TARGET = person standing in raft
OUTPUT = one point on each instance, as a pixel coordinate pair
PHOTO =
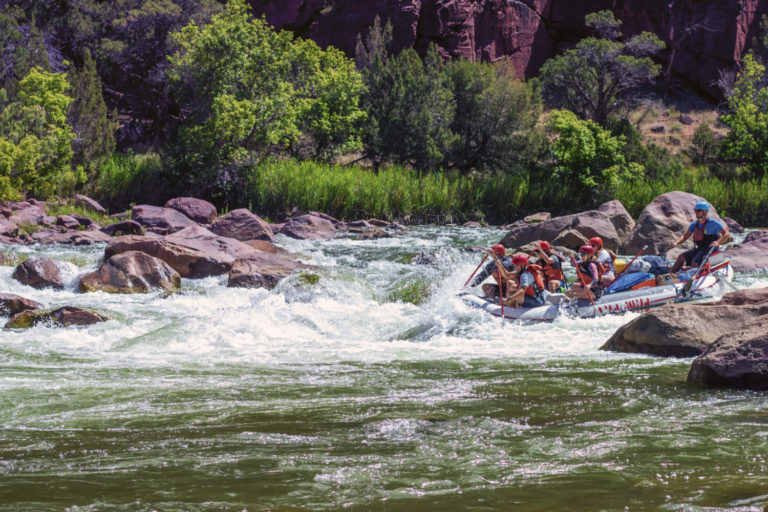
(551, 267)
(491, 290)
(527, 286)
(589, 270)
(706, 233)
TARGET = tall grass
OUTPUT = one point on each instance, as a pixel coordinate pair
(128, 178)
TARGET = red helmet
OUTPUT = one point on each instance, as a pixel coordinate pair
(519, 259)
(545, 246)
(586, 249)
(499, 249)
(596, 240)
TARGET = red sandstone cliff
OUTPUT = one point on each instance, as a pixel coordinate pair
(705, 36)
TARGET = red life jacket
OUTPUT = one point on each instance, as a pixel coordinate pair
(538, 281)
(551, 273)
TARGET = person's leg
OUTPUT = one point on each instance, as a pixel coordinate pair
(532, 302)
(678, 263)
(491, 290)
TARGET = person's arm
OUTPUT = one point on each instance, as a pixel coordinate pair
(682, 239)
(724, 237)
(487, 269)
(595, 275)
(544, 256)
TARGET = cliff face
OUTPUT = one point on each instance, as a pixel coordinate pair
(702, 36)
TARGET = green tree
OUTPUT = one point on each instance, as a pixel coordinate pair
(21, 49)
(602, 75)
(747, 141)
(494, 118)
(93, 127)
(35, 139)
(588, 160)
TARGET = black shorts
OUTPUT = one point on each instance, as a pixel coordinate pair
(695, 255)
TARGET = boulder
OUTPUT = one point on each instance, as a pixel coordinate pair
(733, 226)
(737, 359)
(336, 222)
(686, 119)
(362, 224)
(242, 225)
(309, 227)
(12, 304)
(88, 237)
(537, 217)
(8, 228)
(124, 227)
(588, 224)
(681, 330)
(67, 221)
(662, 222)
(131, 272)
(750, 256)
(266, 246)
(755, 235)
(378, 223)
(198, 210)
(425, 258)
(750, 296)
(620, 217)
(40, 273)
(569, 238)
(261, 270)
(160, 220)
(472, 224)
(85, 221)
(375, 234)
(89, 204)
(62, 317)
(25, 212)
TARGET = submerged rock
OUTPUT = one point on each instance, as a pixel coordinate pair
(261, 270)
(131, 272)
(39, 273)
(12, 304)
(738, 359)
(62, 317)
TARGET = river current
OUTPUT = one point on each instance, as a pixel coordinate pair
(372, 388)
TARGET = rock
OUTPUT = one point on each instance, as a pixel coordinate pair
(242, 225)
(198, 210)
(681, 330)
(336, 222)
(12, 304)
(662, 222)
(120, 216)
(733, 226)
(26, 212)
(750, 296)
(686, 119)
(67, 221)
(588, 224)
(88, 237)
(125, 227)
(362, 224)
(750, 256)
(309, 227)
(85, 221)
(131, 272)
(62, 317)
(737, 359)
(8, 228)
(425, 258)
(537, 217)
(160, 220)
(378, 223)
(40, 273)
(755, 235)
(569, 238)
(375, 234)
(620, 217)
(659, 128)
(89, 204)
(261, 270)
(472, 224)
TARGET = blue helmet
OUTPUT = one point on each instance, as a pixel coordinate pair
(702, 205)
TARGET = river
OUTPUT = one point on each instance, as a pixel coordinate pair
(372, 389)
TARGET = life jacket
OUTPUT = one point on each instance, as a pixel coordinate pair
(700, 237)
(538, 281)
(585, 272)
(551, 273)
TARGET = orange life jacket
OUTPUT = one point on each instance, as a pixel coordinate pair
(551, 273)
(538, 281)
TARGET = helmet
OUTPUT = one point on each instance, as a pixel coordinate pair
(519, 259)
(498, 249)
(545, 246)
(702, 205)
(596, 240)
(586, 249)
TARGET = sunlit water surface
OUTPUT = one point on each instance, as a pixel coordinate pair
(374, 389)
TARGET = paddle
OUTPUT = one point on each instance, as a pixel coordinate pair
(689, 284)
(628, 265)
(478, 268)
(584, 284)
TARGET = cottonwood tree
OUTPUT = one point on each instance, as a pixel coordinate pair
(602, 75)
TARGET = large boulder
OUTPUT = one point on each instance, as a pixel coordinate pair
(198, 210)
(89, 204)
(261, 270)
(8, 228)
(160, 220)
(40, 273)
(750, 256)
(123, 227)
(242, 225)
(681, 330)
(62, 317)
(25, 212)
(266, 246)
(131, 272)
(733, 226)
(737, 359)
(588, 224)
(662, 222)
(12, 304)
(755, 235)
(310, 227)
(620, 217)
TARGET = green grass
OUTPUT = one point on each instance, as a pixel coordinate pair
(55, 209)
(129, 178)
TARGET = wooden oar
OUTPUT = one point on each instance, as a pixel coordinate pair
(584, 284)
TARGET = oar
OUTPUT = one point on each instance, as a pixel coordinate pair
(689, 284)
(584, 284)
(478, 268)
(501, 298)
(628, 265)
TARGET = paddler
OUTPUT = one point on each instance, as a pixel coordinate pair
(551, 267)
(706, 233)
(491, 290)
(589, 272)
(604, 259)
(530, 285)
